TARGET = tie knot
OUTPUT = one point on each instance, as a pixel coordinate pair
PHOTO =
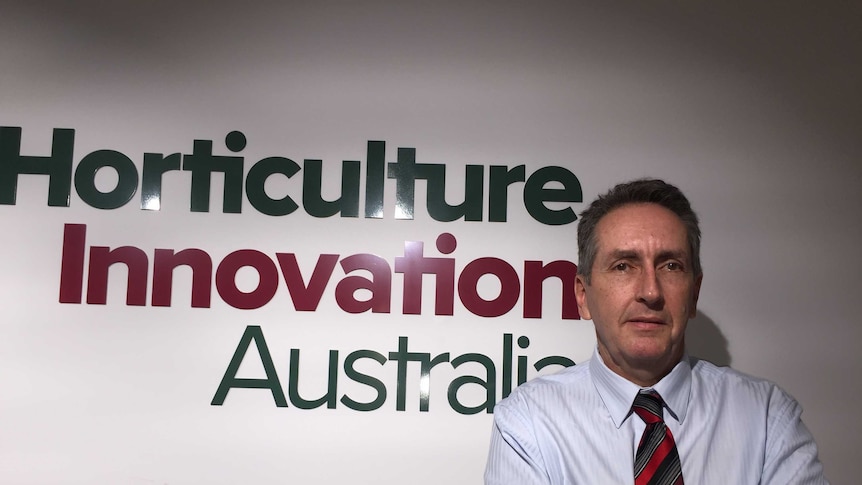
(648, 405)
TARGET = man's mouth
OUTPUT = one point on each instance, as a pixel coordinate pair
(646, 321)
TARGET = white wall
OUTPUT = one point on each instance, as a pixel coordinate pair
(753, 110)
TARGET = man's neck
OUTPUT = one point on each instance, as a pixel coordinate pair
(642, 374)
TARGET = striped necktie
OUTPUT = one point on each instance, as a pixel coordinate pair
(656, 460)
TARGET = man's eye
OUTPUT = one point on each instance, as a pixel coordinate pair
(621, 266)
(672, 266)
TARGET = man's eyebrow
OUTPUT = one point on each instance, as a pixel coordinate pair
(623, 254)
(662, 256)
(677, 254)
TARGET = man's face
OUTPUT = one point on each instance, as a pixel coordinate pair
(642, 291)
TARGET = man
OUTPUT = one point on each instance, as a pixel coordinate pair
(641, 410)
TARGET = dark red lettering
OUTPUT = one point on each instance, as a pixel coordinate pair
(226, 279)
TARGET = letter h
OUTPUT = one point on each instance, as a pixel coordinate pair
(58, 166)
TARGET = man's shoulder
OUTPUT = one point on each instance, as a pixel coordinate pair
(567, 385)
(714, 374)
(733, 384)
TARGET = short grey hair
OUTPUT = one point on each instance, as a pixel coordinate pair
(642, 191)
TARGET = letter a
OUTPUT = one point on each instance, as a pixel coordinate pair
(252, 332)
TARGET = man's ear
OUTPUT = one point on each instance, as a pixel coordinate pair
(695, 294)
(581, 297)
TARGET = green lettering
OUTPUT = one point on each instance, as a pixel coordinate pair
(312, 190)
(229, 381)
(331, 389)
(553, 360)
(156, 164)
(58, 166)
(85, 179)
(361, 378)
(425, 379)
(404, 173)
(498, 192)
(489, 384)
(255, 184)
(202, 163)
(536, 194)
(402, 357)
(374, 179)
(438, 208)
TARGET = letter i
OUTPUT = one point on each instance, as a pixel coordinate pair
(523, 342)
(72, 267)
(507, 364)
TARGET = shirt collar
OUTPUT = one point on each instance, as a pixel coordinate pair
(617, 393)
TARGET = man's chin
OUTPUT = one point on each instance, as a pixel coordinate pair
(651, 353)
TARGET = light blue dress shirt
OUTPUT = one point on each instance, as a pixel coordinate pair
(576, 427)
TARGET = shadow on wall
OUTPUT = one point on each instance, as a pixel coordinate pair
(703, 339)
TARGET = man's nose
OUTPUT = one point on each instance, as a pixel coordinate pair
(649, 288)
